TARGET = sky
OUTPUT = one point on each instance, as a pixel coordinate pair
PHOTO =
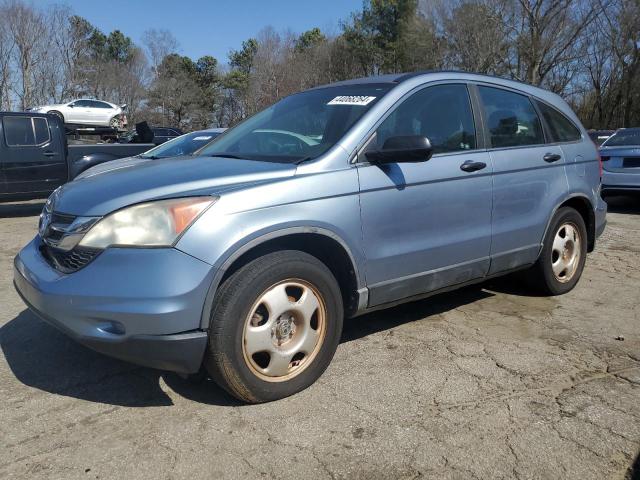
(211, 27)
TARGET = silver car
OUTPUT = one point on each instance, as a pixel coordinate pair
(244, 259)
(620, 155)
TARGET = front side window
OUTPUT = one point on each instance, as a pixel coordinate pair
(18, 131)
(300, 127)
(561, 128)
(441, 113)
(82, 103)
(511, 119)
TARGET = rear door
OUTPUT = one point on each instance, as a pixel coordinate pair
(427, 225)
(582, 167)
(33, 159)
(529, 176)
(102, 112)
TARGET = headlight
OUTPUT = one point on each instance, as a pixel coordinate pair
(153, 224)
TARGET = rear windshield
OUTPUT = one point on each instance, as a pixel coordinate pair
(300, 127)
(624, 138)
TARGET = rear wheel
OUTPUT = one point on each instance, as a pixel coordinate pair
(275, 326)
(563, 256)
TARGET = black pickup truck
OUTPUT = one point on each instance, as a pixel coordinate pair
(35, 157)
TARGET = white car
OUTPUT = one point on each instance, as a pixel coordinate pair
(86, 112)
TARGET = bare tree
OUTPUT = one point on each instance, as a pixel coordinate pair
(6, 54)
(158, 44)
(28, 30)
(545, 34)
(475, 36)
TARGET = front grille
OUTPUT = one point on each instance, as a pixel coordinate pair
(62, 221)
(631, 162)
(68, 262)
(59, 242)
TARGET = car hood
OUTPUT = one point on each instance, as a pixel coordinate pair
(98, 195)
(111, 165)
(630, 151)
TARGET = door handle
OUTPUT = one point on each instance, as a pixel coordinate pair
(551, 157)
(471, 166)
(50, 154)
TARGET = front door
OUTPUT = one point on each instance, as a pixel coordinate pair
(33, 161)
(81, 112)
(427, 225)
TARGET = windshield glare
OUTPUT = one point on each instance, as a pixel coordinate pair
(300, 127)
(182, 145)
(624, 138)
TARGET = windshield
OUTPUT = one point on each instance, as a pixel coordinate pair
(182, 145)
(300, 127)
(624, 138)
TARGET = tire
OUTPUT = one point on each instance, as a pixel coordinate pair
(114, 122)
(57, 114)
(557, 270)
(259, 357)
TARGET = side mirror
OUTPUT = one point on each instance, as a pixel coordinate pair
(71, 105)
(412, 148)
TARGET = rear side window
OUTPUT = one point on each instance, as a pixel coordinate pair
(18, 131)
(441, 113)
(511, 118)
(561, 128)
(96, 104)
(41, 129)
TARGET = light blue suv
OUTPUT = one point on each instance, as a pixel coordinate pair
(244, 260)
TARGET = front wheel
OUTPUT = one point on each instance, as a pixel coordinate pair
(563, 255)
(57, 114)
(114, 122)
(275, 326)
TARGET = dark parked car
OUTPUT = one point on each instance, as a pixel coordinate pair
(164, 134)
(35, 157)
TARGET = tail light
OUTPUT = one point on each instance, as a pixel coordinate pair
(600, 160)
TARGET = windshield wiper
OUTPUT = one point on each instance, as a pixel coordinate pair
(225, 155)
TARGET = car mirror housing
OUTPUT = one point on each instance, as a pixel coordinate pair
(409, 148)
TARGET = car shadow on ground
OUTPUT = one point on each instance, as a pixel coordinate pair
(624, 204)
(22, 209)
(634, 470)
(43, 358)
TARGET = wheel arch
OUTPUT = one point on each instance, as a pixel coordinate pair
(58, 114)
(323, 244)
(585, 208)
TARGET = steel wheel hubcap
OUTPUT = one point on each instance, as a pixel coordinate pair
(284, 330)
(565, 252)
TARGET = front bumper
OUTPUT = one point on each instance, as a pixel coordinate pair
(138, 305)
